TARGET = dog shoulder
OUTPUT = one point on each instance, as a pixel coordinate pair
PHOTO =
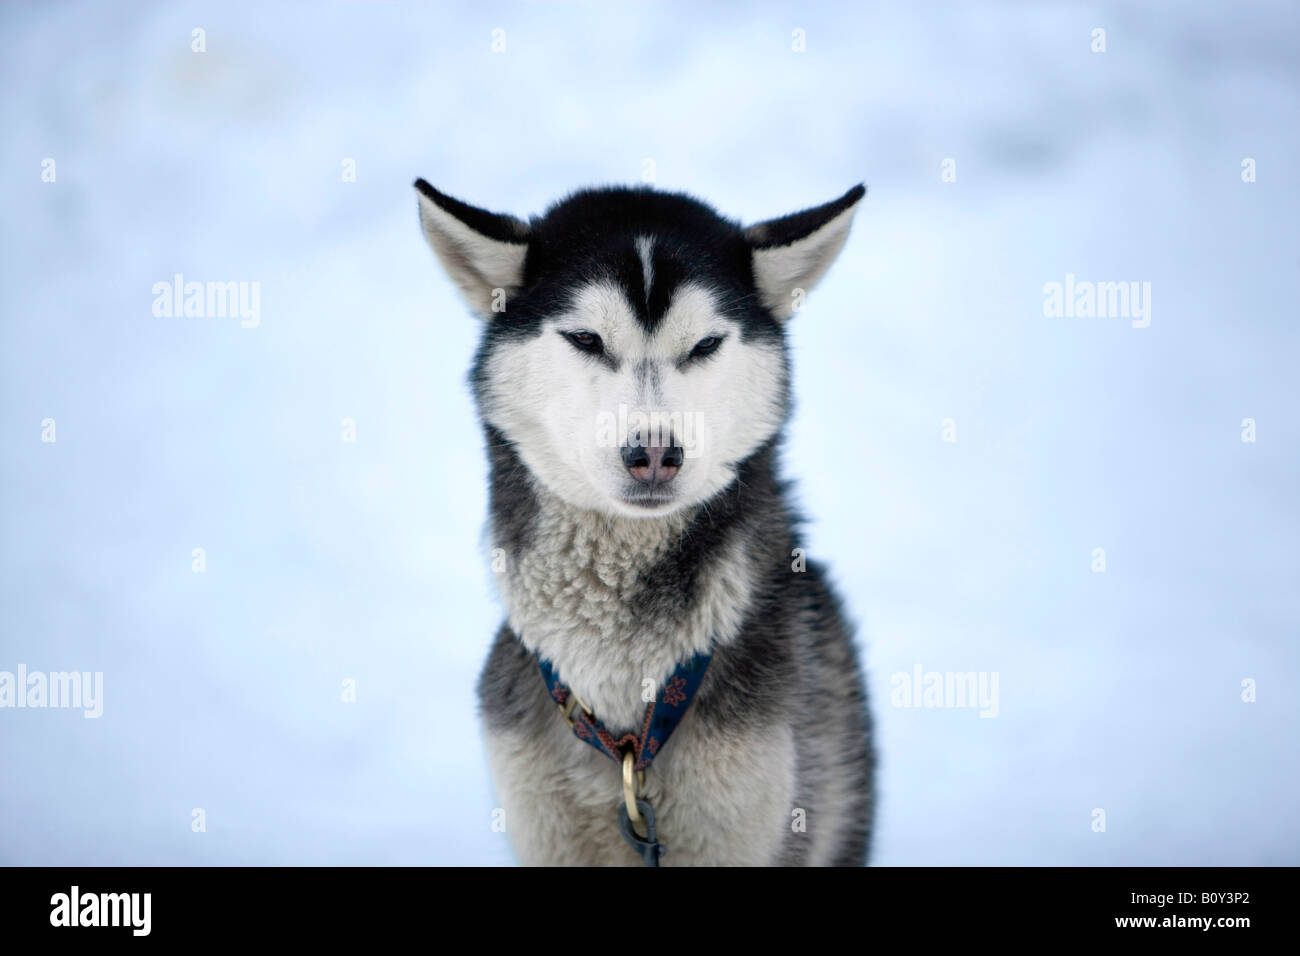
(510, 688)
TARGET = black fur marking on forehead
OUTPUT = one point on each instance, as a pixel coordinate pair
(592, 235)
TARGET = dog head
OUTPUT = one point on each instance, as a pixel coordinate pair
(633, 348)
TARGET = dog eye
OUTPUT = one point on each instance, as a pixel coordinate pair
(706, 346)
(585, 342)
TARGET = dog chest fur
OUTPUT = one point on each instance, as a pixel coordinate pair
(584, 594)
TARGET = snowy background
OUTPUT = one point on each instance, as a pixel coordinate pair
(329, 560)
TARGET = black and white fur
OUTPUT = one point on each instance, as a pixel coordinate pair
(773, 762)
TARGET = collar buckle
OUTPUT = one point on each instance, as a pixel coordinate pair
(570, 703)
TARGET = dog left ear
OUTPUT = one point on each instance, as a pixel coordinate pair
(482, 251)
(792, 253)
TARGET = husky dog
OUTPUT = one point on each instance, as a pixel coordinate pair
(625, 549)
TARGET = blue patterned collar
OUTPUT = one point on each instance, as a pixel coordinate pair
(662, 715)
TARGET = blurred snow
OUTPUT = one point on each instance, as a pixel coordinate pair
(328, 560)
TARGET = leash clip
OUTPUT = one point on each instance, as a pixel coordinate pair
(647, 847)
(636, 810)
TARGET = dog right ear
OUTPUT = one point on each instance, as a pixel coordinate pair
(483, 252)
(792, 253)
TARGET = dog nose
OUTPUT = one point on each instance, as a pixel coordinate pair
(652, 465)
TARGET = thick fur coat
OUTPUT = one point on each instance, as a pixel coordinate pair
(619, 303)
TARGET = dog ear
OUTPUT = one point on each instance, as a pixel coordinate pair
(482, 251)
(792, 253)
